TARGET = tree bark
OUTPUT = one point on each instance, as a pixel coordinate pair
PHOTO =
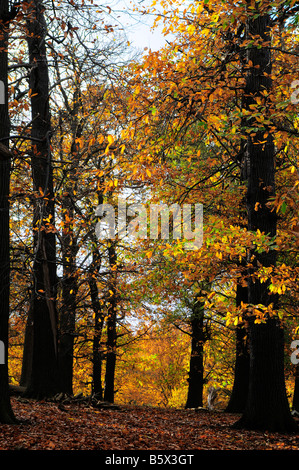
(6, 412)
(43, 380)
(97, 359)
(196, 368)
(69, 248)
(111, 328)
(27, 351)
(67, 314)
(239, 394)
(267, 405)
(295, 404)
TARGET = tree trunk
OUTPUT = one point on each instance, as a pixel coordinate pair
(267, 405)
(6, 413)
(27, 351)
(69, 247)
(97, 388)
(97, 307)
(111, 329)
(43, 380)
(196, 368)
(239, 394)
(67, 317)
(295, 404)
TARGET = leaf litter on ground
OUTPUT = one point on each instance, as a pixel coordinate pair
(45, 425)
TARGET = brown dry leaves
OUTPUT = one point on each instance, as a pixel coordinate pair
(80, 427)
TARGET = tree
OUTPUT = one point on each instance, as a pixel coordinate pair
(69, 245)
(267, 405)
(6, 412)
(43, 378)
(239, 393)
(196, 367)
(213, 70)
(111, 324)
(295, 403)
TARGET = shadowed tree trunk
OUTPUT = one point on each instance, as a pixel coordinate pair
(196, 367)
(69, 248)
(239, 394)
(98, 308)
(43, 380)
(111, 328)
(6, 413)
(97, 388)
(267, 406)
(67, 314)
(295, 404)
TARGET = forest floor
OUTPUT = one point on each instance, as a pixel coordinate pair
(48, 425)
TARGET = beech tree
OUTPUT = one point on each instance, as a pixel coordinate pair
(223, 57)
(267, 405)
(204, 120)
(196, 367)
(42, 377)
(6, 413)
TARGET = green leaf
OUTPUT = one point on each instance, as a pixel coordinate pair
(283, 207)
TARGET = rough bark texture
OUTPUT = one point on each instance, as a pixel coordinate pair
(69, 247)
(295, 404)
(67, 317)
(27, 351)
(267, 405)
(239, 394)
(6, 413)
(43, 380)
(67, 314)
(97, 307)
(111, 329)
(196, 368)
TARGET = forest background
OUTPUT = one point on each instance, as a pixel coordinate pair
(93, 121)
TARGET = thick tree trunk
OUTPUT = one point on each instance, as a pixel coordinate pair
(27, 351)
(97, 307)
(67, 314)
(111, 329)
(69, 247)
(267, 405)
(6, 413)
(43, 380)
(97, 387)
(239, 394)
(295, 404)
(196, 368)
